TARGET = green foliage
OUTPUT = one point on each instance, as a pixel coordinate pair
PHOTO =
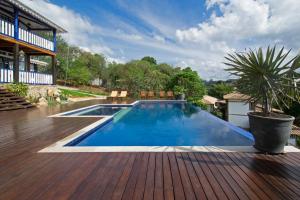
(218, 90)
(200, 104)
(80, 68)
(266, 78)
(178, 90)
(298, 141)
(149, 59)
(51, 100)
(79, 72)
(19, 89)
(194, 88)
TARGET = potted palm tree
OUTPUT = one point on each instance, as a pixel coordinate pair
(269, 80)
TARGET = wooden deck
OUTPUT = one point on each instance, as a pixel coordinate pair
(26, 174)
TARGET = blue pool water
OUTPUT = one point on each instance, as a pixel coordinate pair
(98, 110)
(165, 124)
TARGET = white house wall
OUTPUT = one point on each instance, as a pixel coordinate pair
(237, 113)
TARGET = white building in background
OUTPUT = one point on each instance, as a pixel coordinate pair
(210, 102)
(237, 109)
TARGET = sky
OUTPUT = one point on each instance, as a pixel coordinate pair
(194, 33)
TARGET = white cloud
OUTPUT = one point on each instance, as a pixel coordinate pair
(81, 31)
(238, 24)
(242, 24)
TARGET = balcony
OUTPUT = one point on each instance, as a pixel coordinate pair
(8, 29)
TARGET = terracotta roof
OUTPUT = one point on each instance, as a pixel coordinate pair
(209, 100)
(296, 131)
(236, 96)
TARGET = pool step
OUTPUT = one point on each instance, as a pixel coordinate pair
(10, 101)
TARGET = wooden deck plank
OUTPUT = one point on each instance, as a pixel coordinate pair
(218, 176)
(269, 175)
(159, 181)
(168, 184)
(130, 186)
(198, 190)
(234, 180)
(120, 187)
(27, 174)
(265, 186)
(150, 179)
(177, 183)
(207, 188)
(140, 186)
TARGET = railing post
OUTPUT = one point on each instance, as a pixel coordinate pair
(16, 23)
(54, 40)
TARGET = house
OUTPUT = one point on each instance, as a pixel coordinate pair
(210, 102)
(24, 35)
(237, 109)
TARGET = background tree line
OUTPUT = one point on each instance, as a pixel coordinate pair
(78, 67)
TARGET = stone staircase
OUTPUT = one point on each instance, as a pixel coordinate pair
(10, 101)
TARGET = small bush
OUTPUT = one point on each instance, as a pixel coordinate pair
(298, 141)
(51, 100)
(200, 104)
(19, 89)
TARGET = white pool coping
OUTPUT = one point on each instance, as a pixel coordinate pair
(59, 146)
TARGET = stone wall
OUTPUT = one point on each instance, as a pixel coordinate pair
(40, 93)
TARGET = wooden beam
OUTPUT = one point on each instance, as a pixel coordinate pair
(54, 69)
(23, 44)
(16, 63)
(27, 62)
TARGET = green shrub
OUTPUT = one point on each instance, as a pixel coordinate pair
(298, 141)
(51, 100)
(178, 90)
(200, 104)
(33, 99)
(19, 89)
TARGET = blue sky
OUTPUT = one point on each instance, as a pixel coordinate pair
(195, 33)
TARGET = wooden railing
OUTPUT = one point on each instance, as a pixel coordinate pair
(36, 40)
(6, 76)
(7, 28)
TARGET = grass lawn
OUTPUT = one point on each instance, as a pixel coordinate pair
(77, 93)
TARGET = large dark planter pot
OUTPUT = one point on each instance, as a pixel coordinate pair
(271, 134)
(180, 97)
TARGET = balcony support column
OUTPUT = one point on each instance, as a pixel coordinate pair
(54, 69)
(27, 62)
(16, 23)
(16, 63)
(54, 40)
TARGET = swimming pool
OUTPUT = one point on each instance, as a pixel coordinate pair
(101, 110)
(164, 124)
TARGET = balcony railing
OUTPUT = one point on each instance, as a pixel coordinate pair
(7, 28)
(7, 76)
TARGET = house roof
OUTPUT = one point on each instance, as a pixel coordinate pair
(25, 9)
(209, 100)
(236, 96)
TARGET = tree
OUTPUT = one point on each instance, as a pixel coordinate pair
(266, 78)
(193, 86)
(79, 72)
(218, 90)
(149, 59)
